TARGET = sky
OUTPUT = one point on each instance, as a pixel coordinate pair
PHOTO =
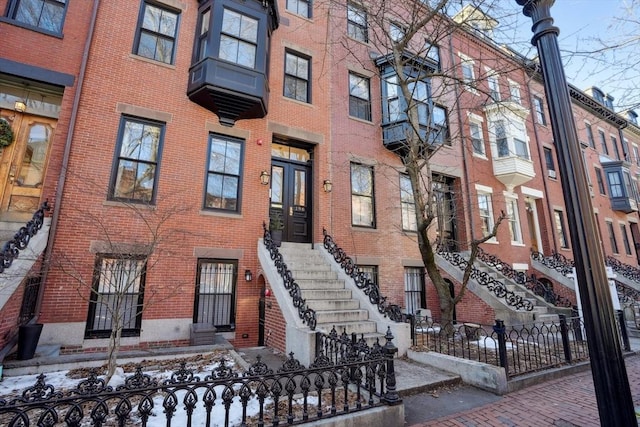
(581, 23)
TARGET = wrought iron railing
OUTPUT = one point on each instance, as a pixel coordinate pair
(555, 261)
(484, 279)
(519, 349)
(11, 249)
(630, 272)
(530, 281)
(362, 280)
(564, 265)
(292, 395)
(307, 314)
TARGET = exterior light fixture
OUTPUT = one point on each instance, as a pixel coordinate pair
(327, 185)
(248, 276)
(265, 178)
(20, 106)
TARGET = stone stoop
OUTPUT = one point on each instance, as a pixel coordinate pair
(327, 295)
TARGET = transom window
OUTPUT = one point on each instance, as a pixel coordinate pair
(216, 283)
(47, 15)
(224, 174)
(407, 204)
(135, 175)
(118, 286)
(362, 202)
(300, 7)
(239, 38)
(359, 97)
(357, 23)
(156, 33)
(296, 77)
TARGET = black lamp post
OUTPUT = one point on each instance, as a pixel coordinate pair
(611, 383)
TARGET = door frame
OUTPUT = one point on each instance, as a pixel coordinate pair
(289, 168)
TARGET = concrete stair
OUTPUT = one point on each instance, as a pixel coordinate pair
(326, 294)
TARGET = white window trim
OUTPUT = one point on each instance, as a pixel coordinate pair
(464, 59)
(513, 84)
(518, 241)
(484, 190)
(493, 76)
(482, 155)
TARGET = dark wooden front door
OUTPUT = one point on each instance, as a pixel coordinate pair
(290, 207)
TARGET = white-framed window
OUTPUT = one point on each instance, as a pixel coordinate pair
(362, 196)
(477, 142)
(396, 31)
(357, 27)
(514, 92)
(561, 229)
(468, 73)
(510, 138)
(636, 155)
(407, 204)
(485, 209)
(538, 105)
(494, 85)
(514, 220)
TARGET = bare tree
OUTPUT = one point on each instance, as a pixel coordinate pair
(125, 254)
(405, 36)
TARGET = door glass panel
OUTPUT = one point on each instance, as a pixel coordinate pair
(290, 153)
(277, 174)
(35, 155)
(299, 195)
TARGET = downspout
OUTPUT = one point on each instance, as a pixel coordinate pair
(542, 162)
(465, 166)
(65, 159)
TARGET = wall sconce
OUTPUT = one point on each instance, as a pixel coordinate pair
(327, 185)
(248, 276)
(264, 178)
(20, 106)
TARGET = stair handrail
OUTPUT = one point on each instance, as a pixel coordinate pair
(529, 281)
(630, 272)
(362, 281)
(11, 249)
(555, 261)
(307, 314)
(564, 265)
(484, 279)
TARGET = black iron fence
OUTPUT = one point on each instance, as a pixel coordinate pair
(519, 349)
(355, 380)
(307, 314)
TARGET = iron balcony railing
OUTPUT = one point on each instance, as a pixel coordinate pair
(530, 281)
(362, 280)
(484, 279)
(292, 395)
(307, 314)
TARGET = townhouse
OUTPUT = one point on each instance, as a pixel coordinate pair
(178, 129)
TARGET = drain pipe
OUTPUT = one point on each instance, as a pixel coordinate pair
(65, 159)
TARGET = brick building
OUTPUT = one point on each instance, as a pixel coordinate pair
(179, 127)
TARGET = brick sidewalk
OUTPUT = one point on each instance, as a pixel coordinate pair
(566, 402)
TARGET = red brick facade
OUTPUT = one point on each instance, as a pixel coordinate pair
(119, 84)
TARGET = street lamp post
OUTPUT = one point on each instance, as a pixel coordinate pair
(615, 404)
